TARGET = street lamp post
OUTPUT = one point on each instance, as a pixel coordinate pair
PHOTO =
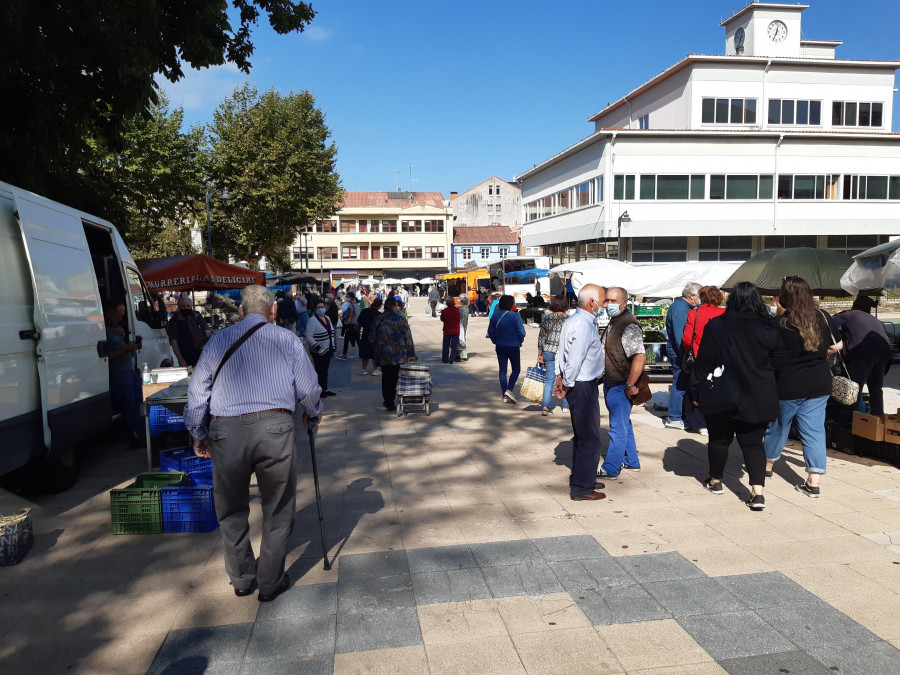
(210, 193)
(624, 218)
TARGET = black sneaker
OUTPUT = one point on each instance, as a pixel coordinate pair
(807, 489)
(757, 502)
(714, 486)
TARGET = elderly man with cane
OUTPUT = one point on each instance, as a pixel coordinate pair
(249, 379)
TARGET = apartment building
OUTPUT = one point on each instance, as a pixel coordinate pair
(492, 202)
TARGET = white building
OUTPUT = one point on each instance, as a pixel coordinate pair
(774, 144)
(492, 202)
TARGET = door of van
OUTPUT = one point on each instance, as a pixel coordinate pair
(68, 319)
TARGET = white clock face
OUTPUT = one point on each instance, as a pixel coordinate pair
(777, 31)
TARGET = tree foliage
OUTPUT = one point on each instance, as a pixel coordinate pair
(272, 153)
(76, 71)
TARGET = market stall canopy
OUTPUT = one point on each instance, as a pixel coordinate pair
(196, 273)
(291, 279)
(390, 281)
(663, 280)
(426, 280)
(821, 268)
(874, 269)
(409, 280)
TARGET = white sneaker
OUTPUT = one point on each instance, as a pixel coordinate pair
(508, 397)
(704, 431)
(376, 372)
(363, 372)
(669, 423)
(339, 357)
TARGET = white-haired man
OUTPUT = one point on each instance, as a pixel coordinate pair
(676, 318)
(249, 379)
(579, 367)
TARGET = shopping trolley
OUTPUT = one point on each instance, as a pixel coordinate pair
(414, 389)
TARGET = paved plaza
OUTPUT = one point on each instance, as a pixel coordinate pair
(458, 550)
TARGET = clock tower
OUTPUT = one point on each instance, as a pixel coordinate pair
(764, 29)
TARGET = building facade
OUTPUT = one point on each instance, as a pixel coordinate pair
(379, 235)
(491, 202)
(774, 144)
(480, 244)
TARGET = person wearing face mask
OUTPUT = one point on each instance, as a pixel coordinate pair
(322, 344)
(579, 368)
(623, 346)
(393, 346)
(187, 333)
(676, 319)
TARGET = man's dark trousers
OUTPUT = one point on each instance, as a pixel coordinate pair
(584, 407)
(260, 443)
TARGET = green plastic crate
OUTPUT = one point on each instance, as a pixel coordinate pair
(137, 509)
(647, 310)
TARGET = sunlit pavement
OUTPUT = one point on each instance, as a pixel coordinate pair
(459, 550)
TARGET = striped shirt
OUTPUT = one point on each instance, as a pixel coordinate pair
(270, 370)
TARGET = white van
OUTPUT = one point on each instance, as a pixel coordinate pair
(58, 266)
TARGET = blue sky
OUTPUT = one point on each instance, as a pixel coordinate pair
(466, 90)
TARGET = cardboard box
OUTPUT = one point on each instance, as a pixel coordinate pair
(870, 427)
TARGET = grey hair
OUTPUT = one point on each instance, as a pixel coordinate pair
(464, 299)
(619, 288)
(256, 300)
(691, 289)
(587, 293)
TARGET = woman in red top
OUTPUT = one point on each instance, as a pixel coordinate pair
(450, 319)
(710, 300)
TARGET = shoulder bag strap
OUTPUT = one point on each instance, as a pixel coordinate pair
(834, 342)
(233, 348)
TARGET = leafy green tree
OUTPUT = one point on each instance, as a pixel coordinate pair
(273, 154)
(153, 184)
(74, 71)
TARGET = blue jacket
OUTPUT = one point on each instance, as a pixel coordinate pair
(506, 329)
(676, 318)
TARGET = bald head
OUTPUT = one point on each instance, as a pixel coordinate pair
(591, 296)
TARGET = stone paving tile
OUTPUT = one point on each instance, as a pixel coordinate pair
(529, 578)
(578, 547)
(795, 663)
(376, 594)
(392, 661)
(461, 621)
(440, 559)
(565, 652)
(688, 597)
(322, 664)
(291, 638)
(874, 658)
(770, 589)
(622, 604)
(813, 623)
(452, 585)
(377, 629)
(652, 644)
(552, 612)
(735, 634)
(372, 565)
(603, 573)
(660, 567)
(505, 552)
(313, 600)
(488, 655)
(219, 649)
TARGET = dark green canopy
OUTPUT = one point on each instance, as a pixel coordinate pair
(820, 267)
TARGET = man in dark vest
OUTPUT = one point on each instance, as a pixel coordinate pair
(623, 343)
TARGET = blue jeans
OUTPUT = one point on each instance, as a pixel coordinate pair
(511, 355)
(680, 381)
(622, 448)
(550, 367)
(810, 416)
(450, 346)
(125, 388)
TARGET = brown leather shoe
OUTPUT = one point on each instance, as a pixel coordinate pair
(599, 486)
(590, 496)
(281, 588)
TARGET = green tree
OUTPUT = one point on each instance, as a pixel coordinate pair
(153, 185)
(272, 153)
(74, 71)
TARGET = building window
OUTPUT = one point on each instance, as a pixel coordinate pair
(438, 252)
(871, 187)
(497, 190)
(855, 114)
(410, 252)
(644, 122)
(349, 252)
(789, 111)
(659, 249)
(326, 226)
(388, 252)
(411, 225)
(348, 226)
(807, 187)
(546, 207)
(434, 225)
(598, 190)
(725, 248)
(563, 201)
(388, 225)
(485, 253)
(673, 187)
(363, 225)
(491, 190)
(328, 252)
(467, 254)
(740, 187)
(297, 253)
(623, 187)
(728, 111)
(776, 243)
(852, 244)
(583, 194)
(504, 251)
(363, 252)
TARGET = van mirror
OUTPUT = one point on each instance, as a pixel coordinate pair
(143, 311)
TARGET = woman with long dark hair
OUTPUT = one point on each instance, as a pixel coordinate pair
(804, 380)
(741, 351)
(507, 332)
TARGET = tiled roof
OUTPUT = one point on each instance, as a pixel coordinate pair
(397, 200)
(493, 234)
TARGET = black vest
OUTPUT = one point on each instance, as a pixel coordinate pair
(617, 364)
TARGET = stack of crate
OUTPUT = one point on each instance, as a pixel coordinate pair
(875, 436)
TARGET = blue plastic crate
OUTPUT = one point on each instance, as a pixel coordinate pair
(188, 509)
(162, 419)
(202, 477)
(183, 459)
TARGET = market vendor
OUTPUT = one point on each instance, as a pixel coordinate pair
(187, 333)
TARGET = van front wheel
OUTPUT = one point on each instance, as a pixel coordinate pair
(58, 471)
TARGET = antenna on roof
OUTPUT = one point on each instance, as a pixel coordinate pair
(411, 179)
(397, 171)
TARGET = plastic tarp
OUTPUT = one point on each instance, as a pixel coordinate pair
(662, 280)
(877, 268)
(196, 273)
(525, 276)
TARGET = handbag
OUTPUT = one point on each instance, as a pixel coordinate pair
(532, 387)
(687, 356)
(843, 390)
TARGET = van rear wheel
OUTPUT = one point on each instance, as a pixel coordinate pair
(58, 471)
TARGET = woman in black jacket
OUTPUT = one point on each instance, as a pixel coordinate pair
(739, 354)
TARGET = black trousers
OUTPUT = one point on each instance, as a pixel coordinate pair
(722, 430)
(390, 373)
(584, 409)
(870, 371)
(351, 337)
(321, 363)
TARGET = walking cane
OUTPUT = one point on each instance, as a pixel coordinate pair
(312, 454)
